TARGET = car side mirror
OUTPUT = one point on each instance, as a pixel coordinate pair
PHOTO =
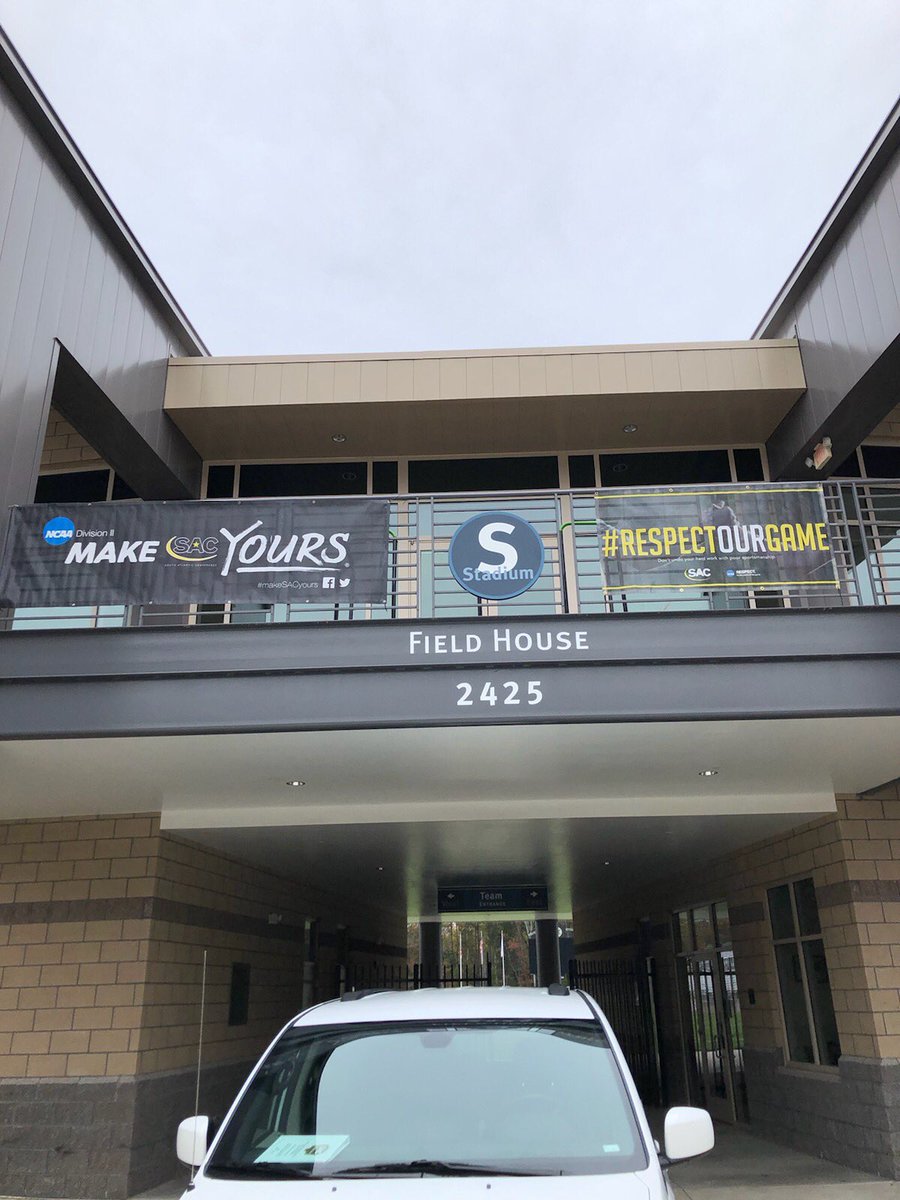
(688, 1132)
(192, 1141)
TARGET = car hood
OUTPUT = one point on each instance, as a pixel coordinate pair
(543, 1187)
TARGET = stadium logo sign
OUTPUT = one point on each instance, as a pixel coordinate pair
(496, 555)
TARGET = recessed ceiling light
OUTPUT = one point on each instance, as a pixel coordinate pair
(381, 868)
(606, 864)
(629, 428)
(706, 774)
(339, 437)
(296, 783)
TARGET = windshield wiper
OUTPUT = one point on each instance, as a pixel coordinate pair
(269, 1170)
(430, 1166)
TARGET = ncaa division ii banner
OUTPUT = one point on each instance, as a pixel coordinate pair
(715, 536)
(197, 551)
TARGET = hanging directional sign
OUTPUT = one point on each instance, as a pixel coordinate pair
(493, 899)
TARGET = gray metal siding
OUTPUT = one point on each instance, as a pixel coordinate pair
(847, 318)
(60, 277)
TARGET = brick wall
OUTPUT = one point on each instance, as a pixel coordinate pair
(104, 926)
(854, 861)
(63, 447)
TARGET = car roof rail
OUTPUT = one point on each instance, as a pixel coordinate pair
(363, 992)
(557, 989)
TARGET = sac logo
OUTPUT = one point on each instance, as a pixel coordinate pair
(698, 573)
(192, 549)
(496, 555)
(58, 531)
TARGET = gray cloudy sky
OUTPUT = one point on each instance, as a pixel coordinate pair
(312, 176)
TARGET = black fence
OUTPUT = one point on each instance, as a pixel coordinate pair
(403, 977)
(625, 988)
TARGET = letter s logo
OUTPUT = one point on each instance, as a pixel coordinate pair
(487, 541)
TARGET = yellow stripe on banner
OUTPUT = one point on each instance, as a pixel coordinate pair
(669, 587)
(662, 495)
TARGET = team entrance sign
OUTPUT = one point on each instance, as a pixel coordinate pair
(496, 555)
(174, 552)
(718, 537)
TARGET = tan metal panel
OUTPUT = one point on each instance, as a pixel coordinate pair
(453, 378)
(479, 377)
(664, 371)
(239, 391)
(183, 385)
(612, 373)
(532, 375)
(321, 383)
(559, 374)
(719, 369)
(585, 374)
(638, 373)
(505, 372)
(267, 384)
(373, 380)
(400, 380)
(214, 388)
(294, 383)
(745, 363)
(347, 381)
(692, 369)
(426, 379)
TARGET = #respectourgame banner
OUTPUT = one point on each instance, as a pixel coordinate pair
(199, 551)
(715, 536)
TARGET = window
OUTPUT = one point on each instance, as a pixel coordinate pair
(806, 1003)
(664, 467)
(514, 474)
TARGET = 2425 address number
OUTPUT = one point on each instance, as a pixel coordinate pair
(503, 693)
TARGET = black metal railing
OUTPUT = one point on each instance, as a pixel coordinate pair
(625, 989)
(862, 519)
(405, 977)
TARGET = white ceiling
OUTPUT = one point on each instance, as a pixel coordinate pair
(508, 803)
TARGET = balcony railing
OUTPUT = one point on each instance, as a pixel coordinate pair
(863, 522)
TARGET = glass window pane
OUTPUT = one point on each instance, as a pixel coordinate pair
(748, 466)
(820, 998)
(790, 982)
(723, 925)
(703, 928)
(685, 932)
(780, 912)
(807, 909)
(664, 467)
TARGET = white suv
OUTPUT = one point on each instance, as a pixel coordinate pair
(442, 1094)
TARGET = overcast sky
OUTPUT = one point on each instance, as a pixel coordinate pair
(317, 176)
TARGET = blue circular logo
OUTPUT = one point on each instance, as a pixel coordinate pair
(496, 555)
(59, 531)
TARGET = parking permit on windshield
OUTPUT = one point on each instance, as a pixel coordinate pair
(299, 1148)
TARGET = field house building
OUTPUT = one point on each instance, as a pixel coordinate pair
(692, 762)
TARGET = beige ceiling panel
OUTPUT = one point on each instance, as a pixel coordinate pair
(183, 387)
(505, 374)
(692, 370)
(267, 384)
(426, 379)
(295, 383)
(214, 389)
(400, 376)
(321, 383)
(559, 374)
(585, 374)
(745, 363)
(612, 373)
(453, 378)
(532, 375)
(373, 384)
(347, 381)
(239, 391)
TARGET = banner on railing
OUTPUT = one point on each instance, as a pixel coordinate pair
(718, 536)
(203, 552)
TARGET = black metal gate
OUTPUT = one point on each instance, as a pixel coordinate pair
(625, 988)
(401, 977)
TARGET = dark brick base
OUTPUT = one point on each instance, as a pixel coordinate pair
(101, 1138)
(851, 1118)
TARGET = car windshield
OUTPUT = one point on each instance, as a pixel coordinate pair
(424, 1098)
